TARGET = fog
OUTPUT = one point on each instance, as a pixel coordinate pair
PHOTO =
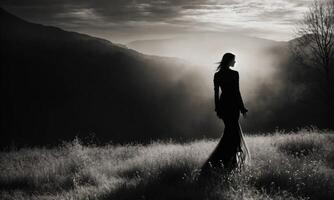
(278, 92)
(256, 61)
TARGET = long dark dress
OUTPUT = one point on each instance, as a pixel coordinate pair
(231, 150)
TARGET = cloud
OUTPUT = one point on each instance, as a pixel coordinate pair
(176, 16)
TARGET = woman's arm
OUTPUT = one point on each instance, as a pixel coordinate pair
(216, 91)
(240, 101)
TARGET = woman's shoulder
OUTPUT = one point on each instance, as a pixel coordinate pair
(234, 71)
(228, 72)
(216, 74)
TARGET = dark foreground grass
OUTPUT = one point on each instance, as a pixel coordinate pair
(292, 166)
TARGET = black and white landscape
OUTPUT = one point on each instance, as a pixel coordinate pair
(115, 100)
(58, 84)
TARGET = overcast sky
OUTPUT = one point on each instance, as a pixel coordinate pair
(126, 20)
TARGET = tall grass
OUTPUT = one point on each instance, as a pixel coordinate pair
(295, 165)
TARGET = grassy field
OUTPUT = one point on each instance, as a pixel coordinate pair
(297, 165)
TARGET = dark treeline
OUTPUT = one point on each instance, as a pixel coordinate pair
(302, 97)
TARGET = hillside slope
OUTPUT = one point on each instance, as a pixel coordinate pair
(57, 84)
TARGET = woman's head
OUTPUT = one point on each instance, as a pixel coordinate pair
(227, 61)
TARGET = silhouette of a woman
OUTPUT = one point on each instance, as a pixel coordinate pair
(231, 151)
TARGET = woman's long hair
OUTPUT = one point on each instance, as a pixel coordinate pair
(226, 60)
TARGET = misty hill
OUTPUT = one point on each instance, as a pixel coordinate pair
(256, 58)
(57, 84)
(278, 91)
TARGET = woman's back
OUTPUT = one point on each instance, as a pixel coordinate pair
(228, 81)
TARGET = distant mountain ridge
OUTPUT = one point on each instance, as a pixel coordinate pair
(202, 45)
